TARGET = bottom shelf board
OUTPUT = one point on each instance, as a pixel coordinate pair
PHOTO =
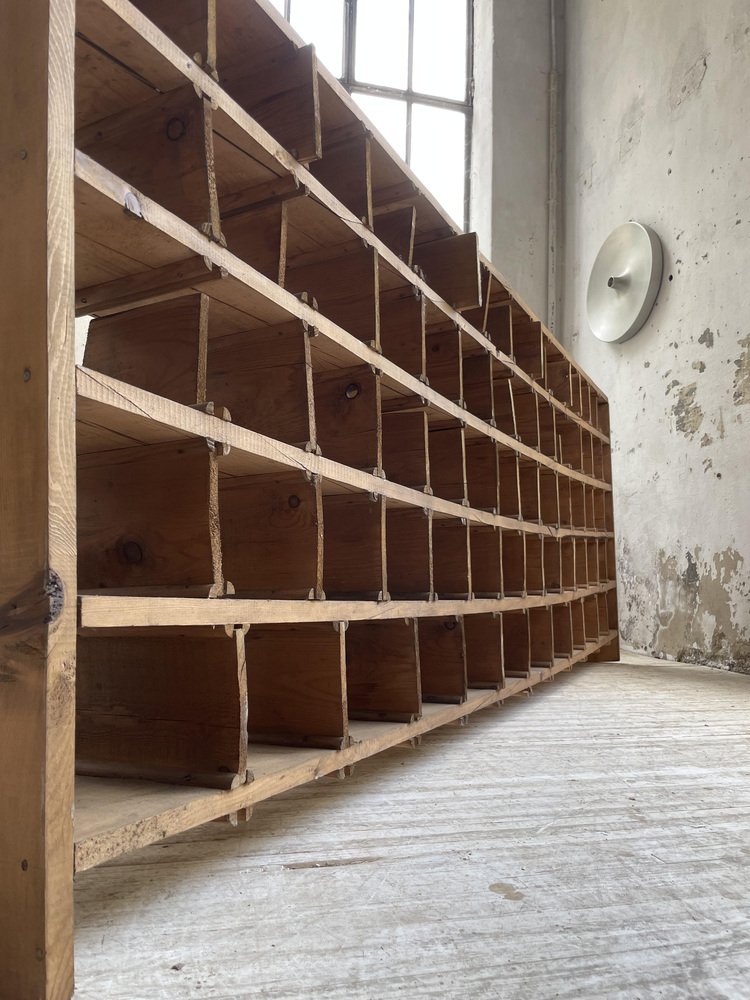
(116, 815)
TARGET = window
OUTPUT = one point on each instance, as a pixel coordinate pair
(408, 64)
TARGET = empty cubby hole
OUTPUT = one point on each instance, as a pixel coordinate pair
(528, 344)
(189, 25)
(395, 226)
(484, 651)
(555, 362)
(592, 561)
(154, 141)
(598, 457)
(442, 660)
(159, 347)
(525, 402)
(558, 379)
(587, 452)
(503, 406)
(264, 378)
(549, 497)
(251, 60)
(272, 533)
(528, 474)
(577, 503)
(509, 487)
(343, 280)
(405, 448)
(477, 382)
(148, 517)
(516, 644)
(450, 557)
(542, 643)
(499, 326)
(569, 443)
(603, 612)
(486, 560)
(354, 561)
(591, 618)
(562, 629)
(409, 552)
(513, 552)
(612, 619)
(482, 472)
(577, 619)
(345, 169)
(548, 443)
(255, 233)
(402, 325)
(296, 679)
(609, 514)
(568, 563)
(162, 704)
(589, 501)
(553, 568)
(600, 509)
(448, 463)
(582, 577)
(564, 496)
(382, 671)
(443, 361)
(534, 564)
(609, 544)
(347, 414)
(603, 415)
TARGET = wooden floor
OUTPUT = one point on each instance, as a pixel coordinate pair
(590, 841)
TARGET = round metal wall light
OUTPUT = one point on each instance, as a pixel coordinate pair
(624, 282)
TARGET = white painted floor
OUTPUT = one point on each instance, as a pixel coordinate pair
(591, 841)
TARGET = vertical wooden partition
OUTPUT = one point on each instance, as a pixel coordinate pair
(37, 498)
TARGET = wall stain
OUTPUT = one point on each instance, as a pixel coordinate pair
(707, 338)
(706, 440)
(742, 375)
(688, 415)
(630, 127)
(689, 68)
(700, 366)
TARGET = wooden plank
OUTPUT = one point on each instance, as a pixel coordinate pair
(37, 502)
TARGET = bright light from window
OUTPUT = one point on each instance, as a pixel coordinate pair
(322, 23)
(382, 44)
(389, 118)
(440, 48)
(438, 139)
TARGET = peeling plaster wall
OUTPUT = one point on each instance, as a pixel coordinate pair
(658, 130)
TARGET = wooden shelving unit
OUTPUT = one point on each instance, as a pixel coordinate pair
(322, 484)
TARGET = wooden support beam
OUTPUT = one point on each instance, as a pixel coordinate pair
(37, 500)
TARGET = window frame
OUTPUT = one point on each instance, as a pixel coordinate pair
(408, 95)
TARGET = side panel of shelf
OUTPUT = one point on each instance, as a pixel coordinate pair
(37, 499)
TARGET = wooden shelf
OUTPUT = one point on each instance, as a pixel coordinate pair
(114, 816)
(323, 483)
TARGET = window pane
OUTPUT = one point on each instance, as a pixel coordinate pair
(438, 138)
(322, 23)
(440, 48)
(382, 50)
(388, 116)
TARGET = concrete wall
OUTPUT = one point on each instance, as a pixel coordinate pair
(657, 113)
(510, 179)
